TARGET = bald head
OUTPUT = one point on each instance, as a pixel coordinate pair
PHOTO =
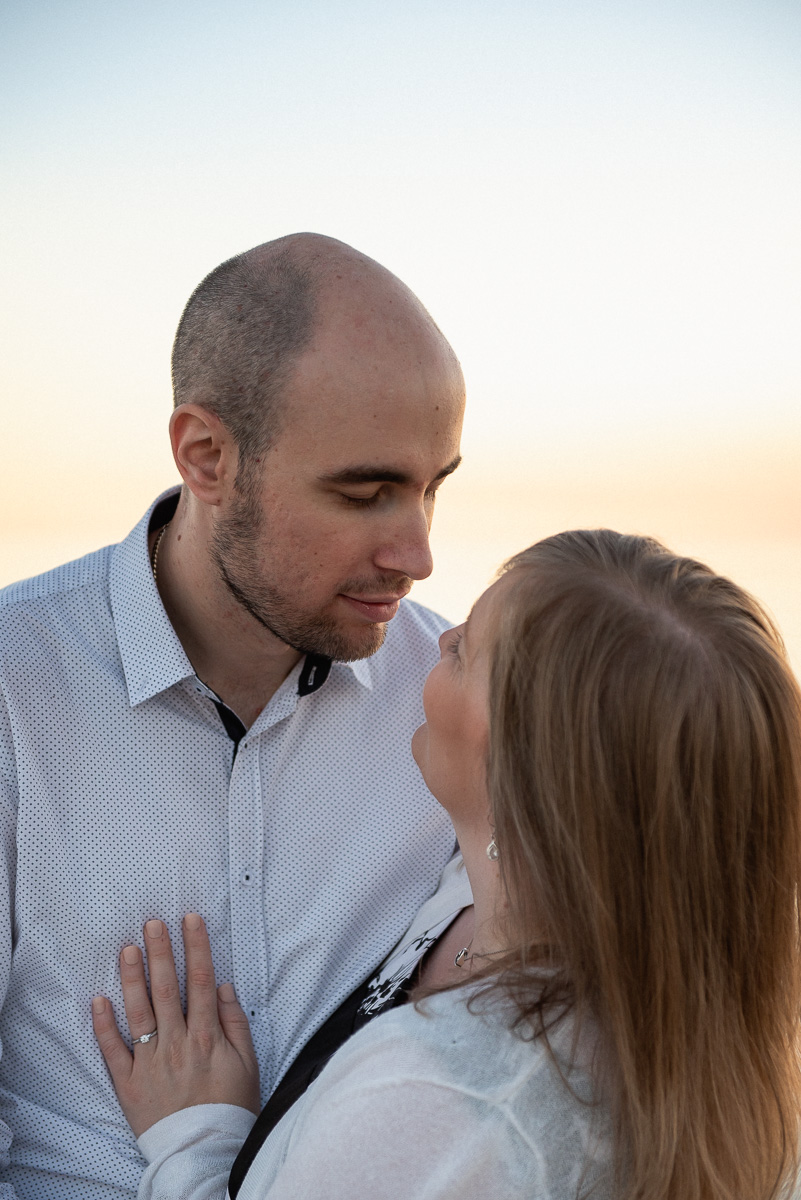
(247, 324)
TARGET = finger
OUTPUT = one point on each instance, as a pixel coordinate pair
(119, 1059)
(164, 991)
(134, 992)
(234, 1023)
(201, 992)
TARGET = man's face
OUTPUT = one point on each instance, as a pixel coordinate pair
(331, 526)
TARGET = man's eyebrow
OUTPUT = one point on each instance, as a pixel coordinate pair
(451, 467)
(379, 474)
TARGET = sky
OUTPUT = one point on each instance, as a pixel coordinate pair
(598, 202)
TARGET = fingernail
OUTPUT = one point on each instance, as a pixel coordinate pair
(226, 992)
(154, 929)
(131, 955)
(98, 1004)
(192, 921)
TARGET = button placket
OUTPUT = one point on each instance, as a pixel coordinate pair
(250, 943)
(248, 932)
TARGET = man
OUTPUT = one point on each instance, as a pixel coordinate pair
(174, 734)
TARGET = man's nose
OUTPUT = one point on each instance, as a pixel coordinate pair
(407, 549)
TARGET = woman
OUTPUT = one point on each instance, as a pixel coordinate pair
(617, 737)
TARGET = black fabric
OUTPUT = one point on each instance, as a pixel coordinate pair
(164, 512)
(306, 1067)
(314, 674)
(233, 726)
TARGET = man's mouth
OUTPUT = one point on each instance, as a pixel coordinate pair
(375, 608)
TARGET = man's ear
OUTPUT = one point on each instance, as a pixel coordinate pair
(204, 452)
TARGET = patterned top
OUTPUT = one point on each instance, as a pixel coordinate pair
(452, 895)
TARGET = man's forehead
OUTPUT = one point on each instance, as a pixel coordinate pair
(357, 413)
(397, 429)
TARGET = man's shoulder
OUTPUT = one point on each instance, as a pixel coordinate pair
(62, 581)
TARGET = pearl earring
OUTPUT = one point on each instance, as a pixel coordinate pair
(492, 851)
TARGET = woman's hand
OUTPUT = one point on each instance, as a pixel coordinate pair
(205, 1058)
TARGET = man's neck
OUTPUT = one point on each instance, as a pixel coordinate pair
(229, 649)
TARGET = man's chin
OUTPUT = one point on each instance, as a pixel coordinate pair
(308, 634)
(346, 646)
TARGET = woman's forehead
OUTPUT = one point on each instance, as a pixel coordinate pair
(484, 614)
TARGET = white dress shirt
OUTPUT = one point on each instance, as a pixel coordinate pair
(307, 856)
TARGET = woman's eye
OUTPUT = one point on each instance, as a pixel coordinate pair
(453, 644)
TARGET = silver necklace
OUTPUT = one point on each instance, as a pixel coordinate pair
(464, 955)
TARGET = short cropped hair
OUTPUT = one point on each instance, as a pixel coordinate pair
(241, 332)
(645, 782)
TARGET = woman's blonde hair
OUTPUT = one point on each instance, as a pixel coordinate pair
(645, 783)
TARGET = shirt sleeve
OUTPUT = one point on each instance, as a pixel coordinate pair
(191, 1152)
(8, 869)
(402, 1138)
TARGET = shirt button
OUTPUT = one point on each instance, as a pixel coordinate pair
(246, 877)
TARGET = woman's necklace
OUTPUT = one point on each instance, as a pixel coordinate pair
(464, 955)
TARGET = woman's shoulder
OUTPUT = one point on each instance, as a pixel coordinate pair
(442, 1082)
(467, 1042)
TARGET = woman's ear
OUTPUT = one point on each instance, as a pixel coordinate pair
(204, 452)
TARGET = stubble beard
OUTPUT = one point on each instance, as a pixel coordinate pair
(235, 552)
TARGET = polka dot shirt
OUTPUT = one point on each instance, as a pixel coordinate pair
(307, 852)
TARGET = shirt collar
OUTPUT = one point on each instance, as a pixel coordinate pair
(362, 672)
(153, 658)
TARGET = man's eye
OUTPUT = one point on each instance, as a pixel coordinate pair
(360, 501)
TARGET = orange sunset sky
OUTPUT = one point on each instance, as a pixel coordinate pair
(598, 202)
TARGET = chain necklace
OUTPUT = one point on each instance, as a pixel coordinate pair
(464, 955)
(156, 548)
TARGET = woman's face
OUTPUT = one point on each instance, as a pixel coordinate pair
(451, 748)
